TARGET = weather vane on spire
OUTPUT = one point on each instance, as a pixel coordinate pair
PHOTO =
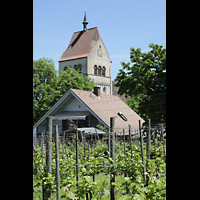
(85, 23)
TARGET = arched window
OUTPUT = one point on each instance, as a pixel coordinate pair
(95, 70)
(100, 71)
(104, 89)
(104, 71)
(65, 68)
(78, 67)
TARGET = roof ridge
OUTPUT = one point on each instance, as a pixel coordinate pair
(87, 30)
(104, 95)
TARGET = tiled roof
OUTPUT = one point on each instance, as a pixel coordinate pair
(108, 106)
(102, 108)
(81, 44)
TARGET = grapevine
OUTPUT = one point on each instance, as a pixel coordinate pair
(94, 172)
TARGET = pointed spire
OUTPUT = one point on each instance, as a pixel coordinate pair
(85, 22)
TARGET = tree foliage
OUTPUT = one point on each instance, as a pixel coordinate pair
(143, 80)
(48, 87)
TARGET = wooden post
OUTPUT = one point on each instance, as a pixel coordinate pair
(63, 143)
(84, 139)
(141, 143)
(162, 135)
(34, 147)
(112, 174)
(81, 136)
(42, 146)
(57, 166)
(47, 189)
(77, 162)
(154, 140)
(88, 150)
(109, 141)
(34, 140)
(148, 141)
(64, 139)
(130, 131)
(124, 143)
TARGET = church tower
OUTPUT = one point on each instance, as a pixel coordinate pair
(87, 53)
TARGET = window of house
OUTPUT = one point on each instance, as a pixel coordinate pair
(100, 71)
(93, 121)
(64, 125)
(104, 71)
(78, 67)
(95, 70)
(99, 52)
(65, 68)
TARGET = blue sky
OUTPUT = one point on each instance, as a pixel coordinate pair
(122, 25)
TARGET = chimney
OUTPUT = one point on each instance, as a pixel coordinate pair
(97, 90)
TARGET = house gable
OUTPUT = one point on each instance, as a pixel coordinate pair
(75, 105)
(68, 102)
(101, 108)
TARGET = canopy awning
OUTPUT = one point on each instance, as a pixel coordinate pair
(87, 130)
(71, 115)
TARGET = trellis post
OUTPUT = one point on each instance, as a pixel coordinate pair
(77, 161)
(112, 174)
(47, 187)
(130, 133)
(57, 166)
(141, 143)
(148, 141)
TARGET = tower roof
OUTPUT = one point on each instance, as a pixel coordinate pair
(85, 22)
(81, 44)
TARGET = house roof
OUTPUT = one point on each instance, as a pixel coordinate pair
(108, 106)
(102, 108)
(81, 44)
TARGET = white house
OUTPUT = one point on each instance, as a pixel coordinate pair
(79, 108)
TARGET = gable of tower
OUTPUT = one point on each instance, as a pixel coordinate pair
(99, 62)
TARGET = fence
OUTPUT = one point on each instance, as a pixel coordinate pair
(132, 165)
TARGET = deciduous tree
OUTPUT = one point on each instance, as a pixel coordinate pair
(48, 87)
(143, 80)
